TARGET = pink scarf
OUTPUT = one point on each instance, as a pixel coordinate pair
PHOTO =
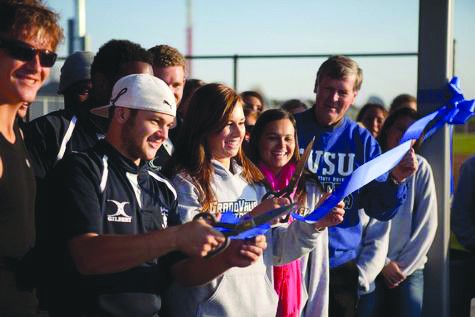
(287, 278)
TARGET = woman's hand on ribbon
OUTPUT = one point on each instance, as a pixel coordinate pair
(334, 217)
(406, 167)
(269, 204)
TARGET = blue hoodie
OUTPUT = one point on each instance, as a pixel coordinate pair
(339, 150)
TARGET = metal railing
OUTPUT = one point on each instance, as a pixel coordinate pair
(45, 104)
(235, 58)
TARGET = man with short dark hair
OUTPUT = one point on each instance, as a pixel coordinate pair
(54, 135)
(29, 35)
(340, 147)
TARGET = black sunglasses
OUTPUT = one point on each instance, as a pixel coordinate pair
(23, 52)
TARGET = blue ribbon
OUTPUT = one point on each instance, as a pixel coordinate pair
(231, 218)
(457, 111)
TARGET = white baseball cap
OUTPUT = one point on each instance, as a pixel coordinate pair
(140, 91)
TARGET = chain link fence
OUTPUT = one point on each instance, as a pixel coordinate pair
(45, 104)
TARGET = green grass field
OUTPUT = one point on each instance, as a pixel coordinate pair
(464, 143)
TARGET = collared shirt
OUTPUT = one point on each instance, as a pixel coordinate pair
(101, 191)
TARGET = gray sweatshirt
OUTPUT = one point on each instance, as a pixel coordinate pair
(415, 224)
(245, 291)
(372, 254)
(315, 267)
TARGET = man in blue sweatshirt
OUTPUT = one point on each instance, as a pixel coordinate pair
(340, 147)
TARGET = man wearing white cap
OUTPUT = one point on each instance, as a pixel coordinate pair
(114, 248)
(55, 135)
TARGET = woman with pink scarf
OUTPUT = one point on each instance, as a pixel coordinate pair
(273, 148)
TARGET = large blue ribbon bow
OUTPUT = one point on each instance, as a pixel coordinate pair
(457, 111)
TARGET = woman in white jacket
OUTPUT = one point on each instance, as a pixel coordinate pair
(212, 174)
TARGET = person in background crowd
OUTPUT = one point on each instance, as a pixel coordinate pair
(294, 106)
(372, 115)
(44, 134)
(340, 147)
(75, 81)
(109, 222)
(29, 36)
(57, 134)
(403, 100)
(462, 223)
(273, 149)
(213, 175)
(169, 65)
(254, 100)
(253, 107)
(251, 118)
(400, 286)
(191, 85)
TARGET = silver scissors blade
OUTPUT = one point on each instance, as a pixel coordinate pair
(265, 218)
(301, 165)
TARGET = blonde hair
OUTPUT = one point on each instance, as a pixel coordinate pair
(167, 56)
(30, 18)
(340, 67)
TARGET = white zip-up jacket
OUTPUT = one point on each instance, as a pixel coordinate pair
(245, 291)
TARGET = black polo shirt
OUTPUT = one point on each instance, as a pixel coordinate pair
(103, 192)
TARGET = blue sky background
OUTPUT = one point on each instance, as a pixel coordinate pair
(283, 27)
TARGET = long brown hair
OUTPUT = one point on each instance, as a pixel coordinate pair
(210, 109)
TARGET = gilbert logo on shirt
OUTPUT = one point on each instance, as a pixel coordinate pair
(119, 215)
(155, 168)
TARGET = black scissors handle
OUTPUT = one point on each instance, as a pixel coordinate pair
(280, 194)
(211, 220)
(285, 193)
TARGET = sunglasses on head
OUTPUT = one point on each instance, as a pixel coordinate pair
(21, 51)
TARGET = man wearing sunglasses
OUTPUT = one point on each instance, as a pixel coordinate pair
(29, 35)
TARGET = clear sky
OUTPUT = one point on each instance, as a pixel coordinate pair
(283, 27)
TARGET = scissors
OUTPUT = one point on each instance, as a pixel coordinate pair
(245, 224)
(290, 188)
